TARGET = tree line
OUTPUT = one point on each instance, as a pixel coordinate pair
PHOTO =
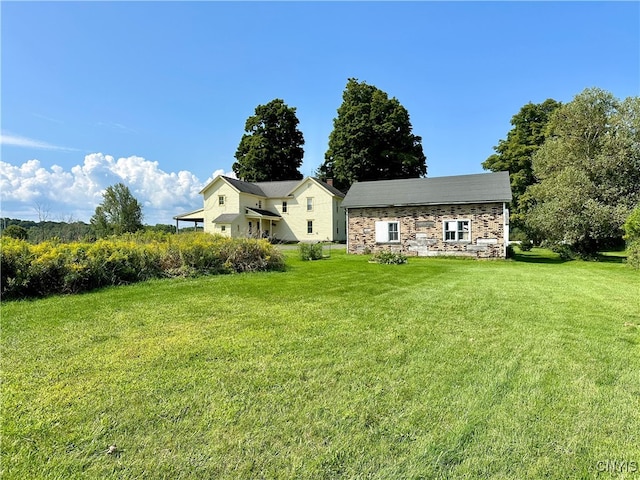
(63, 231)
(574, 170)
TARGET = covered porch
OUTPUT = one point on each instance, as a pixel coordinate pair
(195, 217)
(261, 222)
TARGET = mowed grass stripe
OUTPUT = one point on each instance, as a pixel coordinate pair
(441, 368)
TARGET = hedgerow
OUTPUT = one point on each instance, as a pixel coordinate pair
(60, 268)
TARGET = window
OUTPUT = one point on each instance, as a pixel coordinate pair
(223, 228)
(457, 230)
(250, 228)
(393, 231)
(309, 204)
(259, 203)
(387, 232)
(220, 199)
(284, 207)
(309, 226)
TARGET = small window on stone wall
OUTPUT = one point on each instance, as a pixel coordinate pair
(457, 230)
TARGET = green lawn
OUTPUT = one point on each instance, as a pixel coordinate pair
(440, 368)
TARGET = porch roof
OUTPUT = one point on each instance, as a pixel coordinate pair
(226, 218)
(195, 216)
(259, 213)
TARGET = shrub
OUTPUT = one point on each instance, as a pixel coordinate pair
(564, 251)
(310, 251)
(388, 257)
(632, 236)
(16, 231)
(526, 245)
(633, 254)
(244, 255)
(51, 267)
(15, 260)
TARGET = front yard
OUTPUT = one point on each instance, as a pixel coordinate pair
(338, 368)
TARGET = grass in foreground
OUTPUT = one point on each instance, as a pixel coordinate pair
(440, 368)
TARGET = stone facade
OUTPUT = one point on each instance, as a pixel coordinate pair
(422, 230)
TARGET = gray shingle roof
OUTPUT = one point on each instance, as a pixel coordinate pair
(477, 188)
(280, 189)
(226, 218)
(246, 187)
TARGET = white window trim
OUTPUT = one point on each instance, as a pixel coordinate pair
(456, 240)
(312, 227)
(222, 200)
(382, 232)
(310, 204)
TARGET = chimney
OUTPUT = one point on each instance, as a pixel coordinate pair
(330, 182)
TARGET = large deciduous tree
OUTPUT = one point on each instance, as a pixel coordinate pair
(588, 172)
(271, 148)
(372, 139)
(515, 153)
(119, 212)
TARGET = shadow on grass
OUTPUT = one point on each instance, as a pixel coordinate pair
(610, 258)
(534, 257)
(540, 255)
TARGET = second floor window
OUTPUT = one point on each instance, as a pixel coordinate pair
(221, 200)
(309, 204)
(284, 207)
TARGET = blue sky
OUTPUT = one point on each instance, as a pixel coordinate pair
(156, 94)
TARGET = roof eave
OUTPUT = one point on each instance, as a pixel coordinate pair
(419, 204)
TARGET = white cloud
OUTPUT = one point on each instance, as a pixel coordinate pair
(18, 141)
(77, 192)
